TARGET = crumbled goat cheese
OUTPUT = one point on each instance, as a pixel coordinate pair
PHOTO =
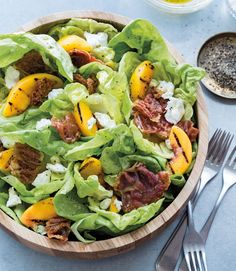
(42, 178)
(105, 120)
(13, 199)
(55, 92)
(96, 40)
(175, 110)
(167, 88)
(59, 168)
(43, 124)
(12, 76)
(91, 122)
(118, 204)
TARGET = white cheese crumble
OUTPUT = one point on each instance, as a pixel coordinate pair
(55, 92)
(12, 76)
(97, 40)
(104, 120)
(118, 204)
(43, 124)
(58, 168)
(42, 178)
(167, 88)
(104, 204)
(13, 199)
(175, 110)
(91, 122)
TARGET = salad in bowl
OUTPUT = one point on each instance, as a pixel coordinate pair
(97, 128)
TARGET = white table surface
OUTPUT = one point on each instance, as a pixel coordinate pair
(187, 33)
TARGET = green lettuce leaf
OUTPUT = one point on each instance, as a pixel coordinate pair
(185, 78)
(178, 180)
(112, 86)
(5, 209)
(36, 194)
(77, 26)
(58, 106)
(15, 46)
(70, 206)
(76, 92)
(149, 147)
(112, 223)
(90, 187)
(96, 144)
(143, 37)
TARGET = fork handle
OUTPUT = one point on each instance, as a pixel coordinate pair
(207, 226)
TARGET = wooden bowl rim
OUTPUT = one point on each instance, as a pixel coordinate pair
(127, 241)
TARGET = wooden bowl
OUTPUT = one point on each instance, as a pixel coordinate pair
(112, 246)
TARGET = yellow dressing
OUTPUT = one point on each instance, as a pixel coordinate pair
(178, 1)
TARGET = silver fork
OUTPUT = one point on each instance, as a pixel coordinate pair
(229, 179)
(193, 246)
(218, 147)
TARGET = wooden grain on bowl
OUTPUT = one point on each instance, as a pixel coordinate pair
(116, 245)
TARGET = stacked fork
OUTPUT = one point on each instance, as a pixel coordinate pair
(194, 242)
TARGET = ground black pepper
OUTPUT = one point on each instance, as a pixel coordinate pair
(218, 58)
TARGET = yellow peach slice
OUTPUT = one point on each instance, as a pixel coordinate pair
(141, 79)
(182, 148)
(83, 114)
(40, 211)
(71, 42)
(20, 95)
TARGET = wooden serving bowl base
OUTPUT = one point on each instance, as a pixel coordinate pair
(126, 242)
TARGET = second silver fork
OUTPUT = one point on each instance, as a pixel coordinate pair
(229, 179)
(218, 147)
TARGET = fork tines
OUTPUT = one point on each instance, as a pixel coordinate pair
(218, 146)
(230, 161)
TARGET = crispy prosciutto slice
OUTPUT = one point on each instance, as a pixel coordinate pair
(58, 228)
(187, 126)
(139, 186)
(67, 128)
(80, 58)
(149, 116)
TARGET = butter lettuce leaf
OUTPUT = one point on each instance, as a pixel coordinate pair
(143, 37)
(77, 26)
(112, 223)
(90, 187)
(15, 46)
(149, 147)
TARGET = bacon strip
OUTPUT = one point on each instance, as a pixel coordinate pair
(58, 228)
(187, 126)
(139, 186)
(80, 58)
(67, 128)
(149, 116)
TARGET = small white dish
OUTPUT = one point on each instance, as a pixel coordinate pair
(183, 8)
